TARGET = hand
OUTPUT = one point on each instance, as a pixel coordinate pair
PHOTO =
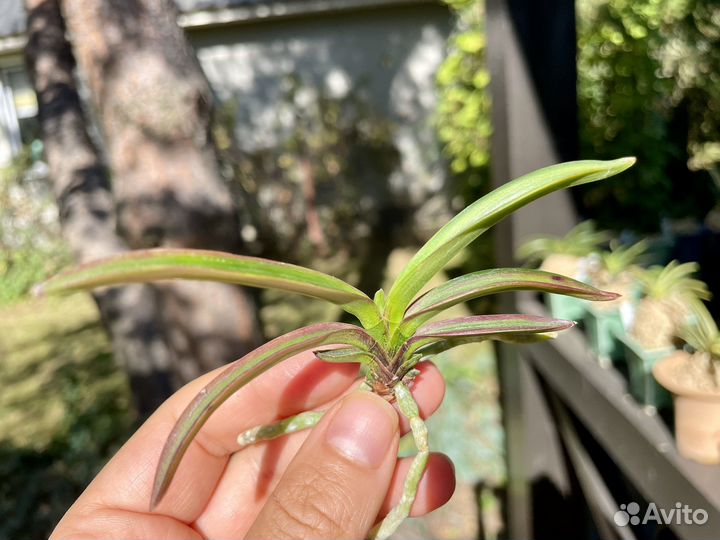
(334, 481)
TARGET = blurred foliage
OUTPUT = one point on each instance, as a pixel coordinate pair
(463, 109)
(321, 193)
(322, 185)
(581, 240)
(64, 409)
(31, 247)
(649, 86)
(463, 122)
(622, 257)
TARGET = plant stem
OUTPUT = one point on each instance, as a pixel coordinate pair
(267, 432)
(409, 409)
(287, 426)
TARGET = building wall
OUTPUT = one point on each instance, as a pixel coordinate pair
(387, 56)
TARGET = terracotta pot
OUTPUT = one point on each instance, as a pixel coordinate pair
(697, 414)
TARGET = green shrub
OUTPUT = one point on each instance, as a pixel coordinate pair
(648, 86)
(463, 110)
(31, 247)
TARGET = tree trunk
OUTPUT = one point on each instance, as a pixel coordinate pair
(154, 106)
(163, 335)
(87, 213)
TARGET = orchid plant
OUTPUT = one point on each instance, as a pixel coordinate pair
(621, 258)
(703, 337)
(580, 241)
(395, 332)
(665, 307)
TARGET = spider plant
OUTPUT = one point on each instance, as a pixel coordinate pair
(562, 254)
(395, 330)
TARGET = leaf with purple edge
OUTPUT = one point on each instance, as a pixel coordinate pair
(238, 374)
(483, 327)
(160, 264)
(344, 354)
(450, 343)
(485, 282)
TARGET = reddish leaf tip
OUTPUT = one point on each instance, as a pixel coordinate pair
(611, 295)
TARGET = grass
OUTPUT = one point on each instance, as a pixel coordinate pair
(64, 409)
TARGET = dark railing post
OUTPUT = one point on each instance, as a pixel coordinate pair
(531, 56)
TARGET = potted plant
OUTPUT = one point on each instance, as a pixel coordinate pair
(567, 256)
(664, 309)
(604, 322)
(694, 380)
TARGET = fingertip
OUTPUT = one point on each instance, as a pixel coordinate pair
(335, 484)
(436, 486)
(363, 428)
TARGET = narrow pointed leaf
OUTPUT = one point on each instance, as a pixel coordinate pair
(494, 281)
(238, 374)
(481, 215)
(491, 324)
(160, 264)
(345, 354)
(483, 327)
(520, 339)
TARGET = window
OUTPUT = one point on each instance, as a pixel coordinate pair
(18, 112)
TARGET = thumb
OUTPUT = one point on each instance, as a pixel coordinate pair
(336, 484)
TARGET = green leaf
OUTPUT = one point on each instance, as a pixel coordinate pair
(481, 215)
(581, 240)
(237, 375)
(345, 354)
(471, 41)
(482, 327)
(160, 264)
(620, 258)
(701, 333)
(520, 339)
(663, 282)
(493, 281)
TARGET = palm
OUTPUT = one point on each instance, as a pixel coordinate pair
(220, 492)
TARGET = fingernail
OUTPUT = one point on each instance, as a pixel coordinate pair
(363, 429)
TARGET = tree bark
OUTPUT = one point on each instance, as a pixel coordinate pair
(154, 106)
(81, 186)
(163, 335)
